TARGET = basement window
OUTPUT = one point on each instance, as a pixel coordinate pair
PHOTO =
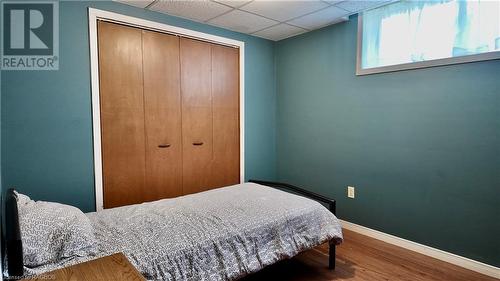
(417, 34)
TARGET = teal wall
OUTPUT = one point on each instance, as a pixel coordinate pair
(422, 147)
(46, 115)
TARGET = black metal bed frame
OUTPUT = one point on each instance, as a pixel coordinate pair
(332, 206)
(12, 246)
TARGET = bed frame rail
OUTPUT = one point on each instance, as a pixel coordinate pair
(332, 206)
(13, 250)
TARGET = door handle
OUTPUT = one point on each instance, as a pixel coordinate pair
(164, 145)
(198, 143)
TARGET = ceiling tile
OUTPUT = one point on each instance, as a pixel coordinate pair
(234, 3)
(280, 31)
(242, 21)
(356, 6)
(283, 10)
(333, 1)
(320, 18)
(136, 3)
(192, 9)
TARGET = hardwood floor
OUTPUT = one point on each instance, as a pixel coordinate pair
(364, 258)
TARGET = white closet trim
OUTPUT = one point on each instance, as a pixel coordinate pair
(94, 16)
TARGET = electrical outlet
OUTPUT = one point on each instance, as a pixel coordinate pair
(350, 191)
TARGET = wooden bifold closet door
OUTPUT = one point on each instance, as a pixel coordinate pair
(162, 100)
(122, 114)
(210, 115)
(169, 115)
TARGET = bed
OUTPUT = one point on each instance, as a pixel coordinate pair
(221, 234)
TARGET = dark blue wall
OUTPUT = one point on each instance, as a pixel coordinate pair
(422, 147)
(46, 115)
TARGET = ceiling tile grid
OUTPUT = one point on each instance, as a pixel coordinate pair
(270, 19)
(136, 3)
(234, 3)
(242, 21)
(279, 32)
(283, 10)
(195, 10)
(320, 18)
(357, 6)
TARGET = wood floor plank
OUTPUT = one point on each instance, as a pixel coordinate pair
(363, 258)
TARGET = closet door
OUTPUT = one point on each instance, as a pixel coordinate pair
(197, 130)
(122, 114)
(225, 106)
(162, 105)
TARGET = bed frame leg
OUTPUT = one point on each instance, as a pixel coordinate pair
(331, 251)
(331, 255)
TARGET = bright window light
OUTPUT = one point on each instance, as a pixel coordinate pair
(411, 33)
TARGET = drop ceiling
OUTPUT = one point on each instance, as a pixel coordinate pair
(270, 19)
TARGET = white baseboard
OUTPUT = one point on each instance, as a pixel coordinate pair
(467, 263)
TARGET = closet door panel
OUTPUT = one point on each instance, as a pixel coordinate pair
(162, 105)
(196, 115)
(122, 114)
(225, 103)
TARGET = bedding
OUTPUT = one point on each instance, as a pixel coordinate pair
(52, 231)
(221, 234)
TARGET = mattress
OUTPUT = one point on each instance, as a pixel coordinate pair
(221, 234)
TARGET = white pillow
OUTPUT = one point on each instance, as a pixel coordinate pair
(51, 232)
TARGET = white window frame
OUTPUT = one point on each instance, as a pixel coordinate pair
(494, 55)
(94, 16)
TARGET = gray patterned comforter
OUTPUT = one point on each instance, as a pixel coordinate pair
(221, 234)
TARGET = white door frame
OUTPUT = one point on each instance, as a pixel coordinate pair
(94, 16)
